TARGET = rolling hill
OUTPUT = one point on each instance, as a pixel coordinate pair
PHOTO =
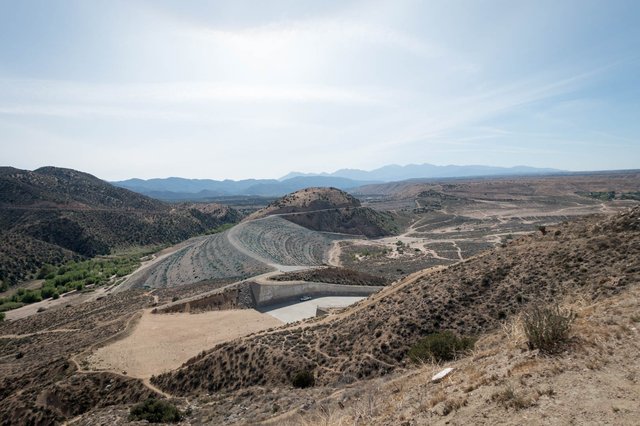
(330, 210)
(51, 215)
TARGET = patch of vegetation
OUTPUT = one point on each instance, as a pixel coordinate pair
(155, 411)
(333, 275)
(303, 379)
(7, 305)
(442, 346)
(600, 195)
(76, 276)
(547, 328)
(2, 315)
(630, 196)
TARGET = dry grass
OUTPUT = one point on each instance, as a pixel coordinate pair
(509, 398)
(547, 327)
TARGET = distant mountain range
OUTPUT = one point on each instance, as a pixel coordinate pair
(180, 189)
(394, 172)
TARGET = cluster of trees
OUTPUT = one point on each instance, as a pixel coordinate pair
(71, 276)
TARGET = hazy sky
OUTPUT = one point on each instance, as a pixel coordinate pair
(237, 89)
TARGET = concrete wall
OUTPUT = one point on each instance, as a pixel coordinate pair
(271, 294)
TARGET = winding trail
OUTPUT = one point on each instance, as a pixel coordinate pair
(128, 328)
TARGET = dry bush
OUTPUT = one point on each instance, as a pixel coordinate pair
(155, 411)
(451, 405)
(509, 398)
(443, 346)
(547, 328)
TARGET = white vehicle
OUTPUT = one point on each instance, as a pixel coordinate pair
(305, 298)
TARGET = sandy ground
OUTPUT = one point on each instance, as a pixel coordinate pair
(298, 311)
(162, 342)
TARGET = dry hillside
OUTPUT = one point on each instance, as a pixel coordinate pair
(330, 210)
(40, 381)
(51, 215)
(594, 258)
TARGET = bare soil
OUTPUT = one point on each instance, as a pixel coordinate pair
(161, 343)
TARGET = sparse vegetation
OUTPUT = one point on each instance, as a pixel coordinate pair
(2, 315)
(547, 328)
(155, 411)
(334, 275)
(442, 346)
(303, 379)
(509, 398)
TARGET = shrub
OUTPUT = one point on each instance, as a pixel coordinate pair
(47, 292)
(547, 328)
(45, 271)
(303, 379)
(7, 306)
(31, 296)
(155, 411)
(2, 316)
(442, 346)
(509, 398)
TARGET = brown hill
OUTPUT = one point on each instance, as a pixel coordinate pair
(51, 215)
(330, 210)
(593, 258)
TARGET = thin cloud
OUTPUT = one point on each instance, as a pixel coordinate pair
(182, 92)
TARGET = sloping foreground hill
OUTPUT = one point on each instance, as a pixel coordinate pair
(593, 381)
(50, 215)
(330, 210)
(41, 384)
(593, 258)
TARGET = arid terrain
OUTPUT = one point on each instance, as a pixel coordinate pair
(192, 323)
(452, 220)
(160, 343)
